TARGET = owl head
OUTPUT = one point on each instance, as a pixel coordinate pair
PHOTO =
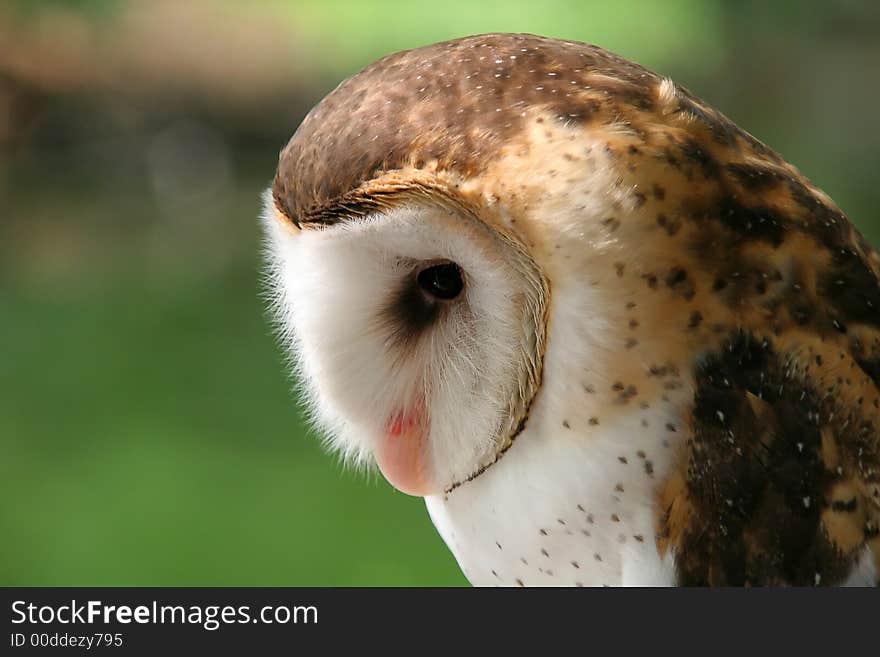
(462, 231)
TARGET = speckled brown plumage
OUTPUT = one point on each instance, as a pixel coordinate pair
(780, 481)
(734, 276)
(451, 107)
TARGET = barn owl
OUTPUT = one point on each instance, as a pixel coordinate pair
(610, 337)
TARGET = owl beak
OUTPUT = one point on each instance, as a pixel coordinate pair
(402, 454)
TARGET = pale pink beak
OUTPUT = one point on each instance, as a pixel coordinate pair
(402, 454)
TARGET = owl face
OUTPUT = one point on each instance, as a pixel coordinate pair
(416, 332)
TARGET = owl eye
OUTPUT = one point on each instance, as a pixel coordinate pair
(442, 281)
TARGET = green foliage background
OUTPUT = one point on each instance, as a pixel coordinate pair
(149, 434)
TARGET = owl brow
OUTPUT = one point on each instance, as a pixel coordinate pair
(341, 211)
(354, 205)
(374, 196)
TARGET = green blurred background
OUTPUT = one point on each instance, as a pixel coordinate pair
(148, 432)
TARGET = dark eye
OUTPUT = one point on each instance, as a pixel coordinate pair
(441, 281)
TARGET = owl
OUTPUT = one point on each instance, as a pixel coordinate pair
(610, 337)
